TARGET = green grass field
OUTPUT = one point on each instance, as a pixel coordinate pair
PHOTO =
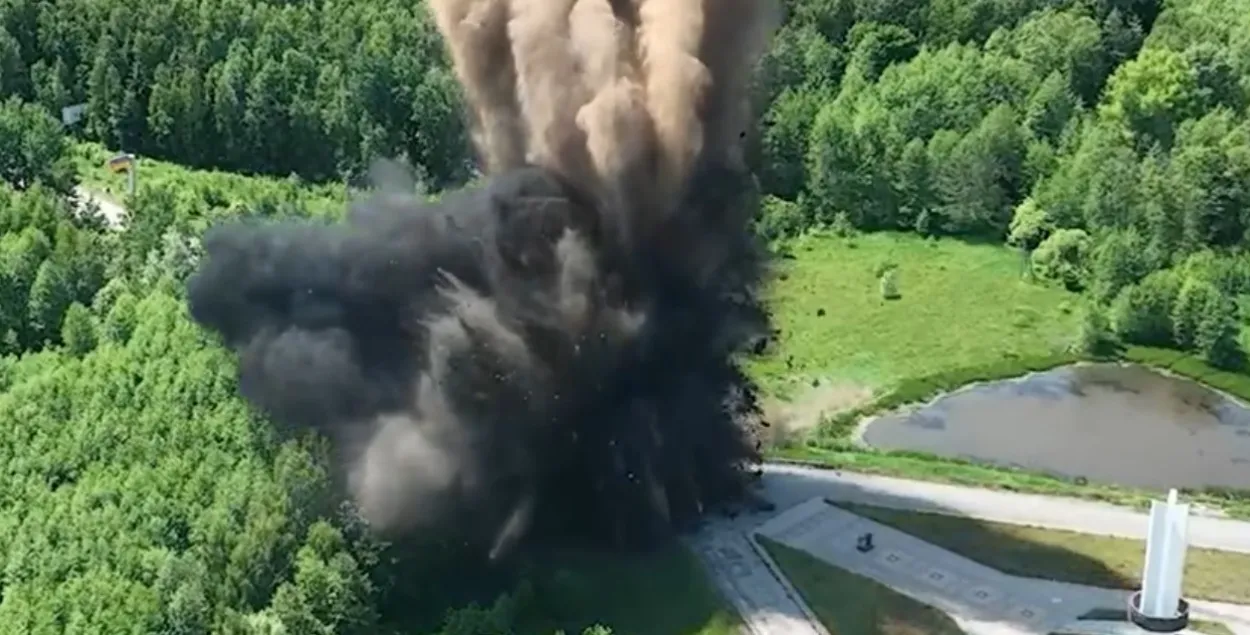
(850, 604)
(962, 305)
(1064, 555)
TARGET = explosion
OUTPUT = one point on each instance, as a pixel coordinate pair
(554, 351)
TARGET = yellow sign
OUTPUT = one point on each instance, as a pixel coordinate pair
(120, 163)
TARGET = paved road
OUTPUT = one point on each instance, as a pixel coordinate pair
(981, 600)
(770, 605)
(789, 485)
(113, 213)
(767, 602)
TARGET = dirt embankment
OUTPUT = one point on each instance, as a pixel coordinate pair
(805, 411)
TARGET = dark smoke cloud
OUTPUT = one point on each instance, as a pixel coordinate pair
(553, 351)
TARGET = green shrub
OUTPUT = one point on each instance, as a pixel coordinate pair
(842, 226)
(1030, 225)
(779, 219)
(1187, 311)
(1142, 313)
(1062, 257)
(1097, 338)
(889, 285)
(1216, 335)
(882, 267)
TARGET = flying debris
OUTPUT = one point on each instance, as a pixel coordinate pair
(553, 352)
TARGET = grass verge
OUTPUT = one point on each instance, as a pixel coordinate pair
(1195, 626)
(1066, 556)
(1121, 615)
(1210, 628)
(1187, 365)
(850, 604)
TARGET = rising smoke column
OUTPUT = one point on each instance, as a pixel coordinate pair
(553, 351)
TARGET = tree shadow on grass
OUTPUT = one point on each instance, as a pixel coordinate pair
(661, 592)
(564, 588)
(846, 602)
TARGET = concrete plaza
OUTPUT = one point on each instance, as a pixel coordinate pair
(981, 600)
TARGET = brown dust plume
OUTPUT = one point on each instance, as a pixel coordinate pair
(556, 351)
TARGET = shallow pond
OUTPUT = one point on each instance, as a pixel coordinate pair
(1107, 423)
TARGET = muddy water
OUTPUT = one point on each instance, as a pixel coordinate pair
(1107, 423)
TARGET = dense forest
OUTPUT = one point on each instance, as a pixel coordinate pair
(312, 88)
(1107, 140)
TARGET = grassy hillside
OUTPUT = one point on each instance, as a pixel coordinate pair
(961, 305)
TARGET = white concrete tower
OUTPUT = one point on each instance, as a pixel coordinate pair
(1158, 607)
